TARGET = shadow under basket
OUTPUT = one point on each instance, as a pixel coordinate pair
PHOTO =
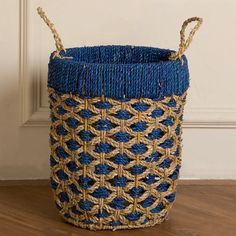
(116, 116)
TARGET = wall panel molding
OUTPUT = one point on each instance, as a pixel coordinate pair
(33, 113)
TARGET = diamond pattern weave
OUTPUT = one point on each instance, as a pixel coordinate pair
(114, 164)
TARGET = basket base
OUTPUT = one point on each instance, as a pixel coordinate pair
(96, 227)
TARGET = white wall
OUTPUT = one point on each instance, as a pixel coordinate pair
(25, 43)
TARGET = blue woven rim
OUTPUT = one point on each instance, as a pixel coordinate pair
(118, 72)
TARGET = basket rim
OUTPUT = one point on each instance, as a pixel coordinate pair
(67, 54)
(156, 78)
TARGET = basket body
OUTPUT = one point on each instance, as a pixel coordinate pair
(115, 135)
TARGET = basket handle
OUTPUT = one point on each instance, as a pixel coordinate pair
(183, 46)
(184, 43)
(58, 42)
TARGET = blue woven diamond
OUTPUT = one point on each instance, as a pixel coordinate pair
(133, 216)
(139, 126)
(137, 169)
(67, 216)
(147, 202)
(157, 113)
(53, 183)
(140, 106)
(171, 197)
(175, 174)
(115, 223)
(166, 163)
(168, 143)
(146, 220)
(168, 121)
(119, 181)
(72, 145)
(102, 169)
(61, 110)
(52, 140)
(118, 203)
(136, 192)
(74, 189)
(155, 134)
(150, 179)
(123, 115)
(102, 214)
(177, 130)
(163, 187)
(62, 175)
(53, 162)
(103, 148)
(85, 182)
(177, 111)
(71, 102)
(76, 211)
(102, 105)
(121, 159)
(72, 166)
(85, 135)
(87, 222)
(61, 130)
(63, 197)
(101, 192)
(85, 158)
(139, 148)
(103, 125)
(158, 208)
(53, 118)
(153, 157)
(85, 114)
(177, 152)
(72, 123)
(85, 205)
(171, 103)
(61, 153)
(121, 136)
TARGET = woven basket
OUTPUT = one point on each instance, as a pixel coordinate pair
(116, 115)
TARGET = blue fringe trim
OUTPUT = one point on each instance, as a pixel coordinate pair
(119, 72)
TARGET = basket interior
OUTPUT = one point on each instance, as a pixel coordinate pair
(118, 54)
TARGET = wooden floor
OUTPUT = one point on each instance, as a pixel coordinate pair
(201, 209)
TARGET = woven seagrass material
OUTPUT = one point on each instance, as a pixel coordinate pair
(116, 116)
(114, 163)
(58, 42)
(184, 43)
(183, 46)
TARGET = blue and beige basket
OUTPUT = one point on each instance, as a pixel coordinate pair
(116, 115)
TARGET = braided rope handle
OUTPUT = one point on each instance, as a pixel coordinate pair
(184, 43)
(183, 46)
(58, 42)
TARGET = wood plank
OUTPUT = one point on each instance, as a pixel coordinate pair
(207, 182)
(25, 182)
(199, 210)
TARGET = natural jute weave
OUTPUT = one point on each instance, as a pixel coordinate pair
(116, 173)
(116, 118)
